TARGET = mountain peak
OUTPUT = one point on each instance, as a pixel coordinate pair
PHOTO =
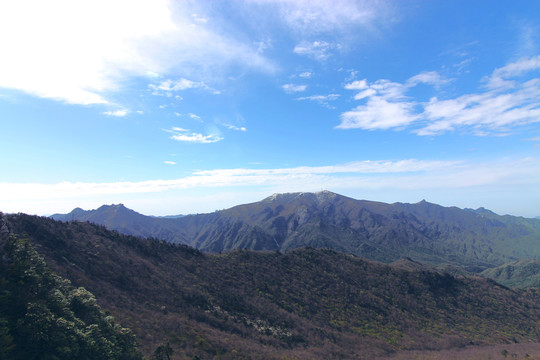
(113, 206)
(482, 211)
(319, 197)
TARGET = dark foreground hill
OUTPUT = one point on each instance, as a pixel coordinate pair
(429, 233)
(42, 316)
(304, 304)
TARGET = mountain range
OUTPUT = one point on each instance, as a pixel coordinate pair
(474, 240)
(305, 303)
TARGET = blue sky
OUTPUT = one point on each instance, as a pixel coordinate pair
(176, 107)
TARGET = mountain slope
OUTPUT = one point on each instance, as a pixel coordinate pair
(518, 274)
(42, 316)
(306, 303)
(124, 220)
(425, 232)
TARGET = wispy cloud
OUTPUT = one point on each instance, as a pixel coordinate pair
(306, 74)
(319, 50)
(509, 101)
(329, 97)
(500, 77)
(197, 138)
(536, 139)
(169, 162)
(321, 99)
(292, 88)
(403, 174)
(184, 135)
(358, 167)
(167, 87)
(118, 113)
(318, 16)
(199, 19)
(429, 77)
(233, 127)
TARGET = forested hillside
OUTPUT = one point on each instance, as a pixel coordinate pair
(42, 316)
(307, 303)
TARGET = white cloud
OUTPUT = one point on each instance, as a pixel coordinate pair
(168, 86)
(329, 97)
(197, 138)
(490, 111)
(518, 68)
(429, 77)
(364, 94)
(410, 174)
(219, 178)
(384, 106)
(500, 78)
(319, 50)
(321, 99)
(378, 113)
(507, 103)
(118, 113)
(169, 162)
(237, 128)
(306, 74)
(79, 52)
(357, 85)
(194, 116)
(184, 135)
(317, 16)
(291, 88)
(358, 167)
(176, 128)
(389, 90)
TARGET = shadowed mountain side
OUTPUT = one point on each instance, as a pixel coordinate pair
(306, 303)
(425, 232)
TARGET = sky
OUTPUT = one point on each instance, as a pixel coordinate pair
(179, 107)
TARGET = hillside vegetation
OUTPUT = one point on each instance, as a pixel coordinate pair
(42, 316)
(518, 274)
(307, 303)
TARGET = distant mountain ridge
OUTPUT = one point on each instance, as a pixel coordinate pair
(425, 232)
(120, 218)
